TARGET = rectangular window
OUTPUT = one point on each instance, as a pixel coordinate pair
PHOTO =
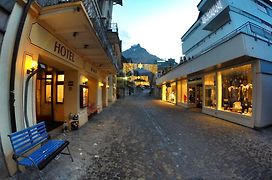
(184, 91)
(210, 92)
(179, 92)
(236, 90)
(48, 88)
(171, 92)
(84, 96)
(191, 95)
(60, 87)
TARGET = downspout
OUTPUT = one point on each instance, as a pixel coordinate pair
(26, 91)
(13, 65)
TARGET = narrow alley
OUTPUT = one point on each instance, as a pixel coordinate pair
(142, 138)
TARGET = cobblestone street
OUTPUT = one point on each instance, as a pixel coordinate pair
(142, 138)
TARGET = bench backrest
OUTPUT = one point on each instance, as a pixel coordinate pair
(24, 140)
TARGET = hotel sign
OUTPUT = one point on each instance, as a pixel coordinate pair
(40, 37)
(64, 51)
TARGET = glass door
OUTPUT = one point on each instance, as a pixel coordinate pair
(44, 94)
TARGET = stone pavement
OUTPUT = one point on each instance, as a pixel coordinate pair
(142, 138)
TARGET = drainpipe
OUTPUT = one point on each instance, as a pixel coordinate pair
(40, 68)
(13, 64)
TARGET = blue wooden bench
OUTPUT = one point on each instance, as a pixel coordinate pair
(33, 147)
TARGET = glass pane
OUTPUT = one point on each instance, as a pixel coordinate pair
(191, 94)
(171, 92)
(60, 93)
(237, 90)
(60, 77)
(85, 96)
(210, 95)
(184, 91)
(48, 93)
(179, 93)
(49, 76)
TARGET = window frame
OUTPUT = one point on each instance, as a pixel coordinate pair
(59, 83)
(51, 83)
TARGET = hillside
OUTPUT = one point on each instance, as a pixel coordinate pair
(140, 55)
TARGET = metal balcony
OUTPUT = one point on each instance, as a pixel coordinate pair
(248, 28)
(94, 14)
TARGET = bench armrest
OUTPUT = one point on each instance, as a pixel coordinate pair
(16, 156)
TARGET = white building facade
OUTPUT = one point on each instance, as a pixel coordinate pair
(227, 67)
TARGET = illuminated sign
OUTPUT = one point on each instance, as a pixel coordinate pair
(212, 12)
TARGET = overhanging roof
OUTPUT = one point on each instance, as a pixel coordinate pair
(119, 2)
(71, 23)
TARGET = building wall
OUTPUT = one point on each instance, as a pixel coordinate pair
(5, 63)
(238, 17)
(227, 47)
(6, 7)
(73, 72)
(264, 95)
(112, 88)
(234, 48)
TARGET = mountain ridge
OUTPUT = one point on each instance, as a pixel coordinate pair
(139, 54)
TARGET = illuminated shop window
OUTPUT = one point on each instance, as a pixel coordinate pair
(60, 88)
(164, 92)
(171, 92)
(210, 92)
(179, 92)
(191, 94)
(236, 92)
(48, 88)
(184, 91)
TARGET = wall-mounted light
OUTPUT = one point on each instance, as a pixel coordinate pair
(85, 81)
(100, 84)
(30, 64)
(107, 86)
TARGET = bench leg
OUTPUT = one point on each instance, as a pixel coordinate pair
(70, 154)
(40, 175)
(39, 172)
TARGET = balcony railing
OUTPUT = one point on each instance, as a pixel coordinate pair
(114, 27)
(248, 28)
(95, 16)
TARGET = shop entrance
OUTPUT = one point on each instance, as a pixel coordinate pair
(199, 95)
(50, 97)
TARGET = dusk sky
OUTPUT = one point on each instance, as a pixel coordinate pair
(157, 25)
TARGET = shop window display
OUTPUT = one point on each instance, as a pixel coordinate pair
(184, 91)
(210, 92)
(237, 90)
(191, 95)
(171, 93)
(48, 88)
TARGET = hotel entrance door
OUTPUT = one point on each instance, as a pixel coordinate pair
(44, 94)
(49, 107)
